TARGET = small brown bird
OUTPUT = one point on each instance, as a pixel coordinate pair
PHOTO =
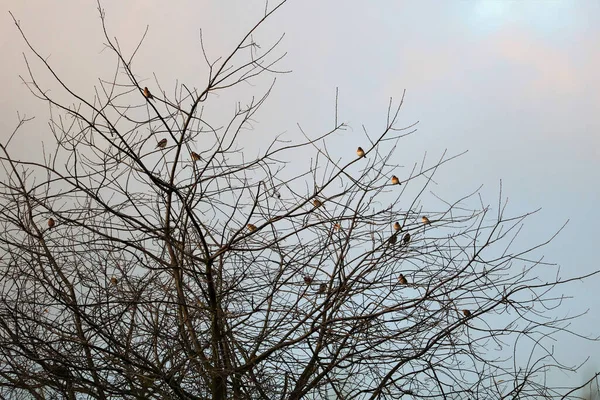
(252, 228)
(406, 238)
(195, 156)
(402, 280)
(397, 227)
(336, 227)
(466, 313)
(307, 279)
(360, 152)
(114, 280)
(392, 240)
(51, 223)
(317, 203)
(395, 180)
(426, 220)
(322, 288)
(147, 94)
(162, 144)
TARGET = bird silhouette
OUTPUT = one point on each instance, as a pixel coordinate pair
(395, 180)
(406, 238)
(402, 280)
(397, 226)
(161, 144)
(466, 313)
(147, 94)
(317, 203)
(195, 156)
(51, 223)
(392, 240)
(114, 280)
(360, 152)
(252, 228)
(322, 288)
(307, 279)
(426, 220)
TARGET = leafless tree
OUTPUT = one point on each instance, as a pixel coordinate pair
(146, 256)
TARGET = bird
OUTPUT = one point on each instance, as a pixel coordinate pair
(147, 94)
(393, 239)
(406, 238)
(336, 227)
(402, 280)
(466, 313)
(395, 180)
(322, 288)
(162, 144)
(59, 370)
(426, 220)
(195, 156)
(252, 228)
(360, 152)
(317, 203)
(307, 279)
(397, 227)
(114, 280)
(51, 223)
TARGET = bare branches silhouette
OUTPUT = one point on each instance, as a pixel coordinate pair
(147, 257)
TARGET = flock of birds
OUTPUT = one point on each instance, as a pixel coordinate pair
(317, 203)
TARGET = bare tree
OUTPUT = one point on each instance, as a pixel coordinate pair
(147, 257)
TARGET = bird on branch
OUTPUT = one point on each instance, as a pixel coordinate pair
(162, 144)
(147, 94)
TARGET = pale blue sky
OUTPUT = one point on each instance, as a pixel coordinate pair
(516, 83)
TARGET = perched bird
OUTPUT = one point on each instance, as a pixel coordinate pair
(406, 238)
(307, 279)
(195, 156)
(147, 94)
(426, 220)
(360, 152)
(397, 226)
(51, 223)
(466, 313)
(252, 228)
(402, 280)
(395, 180)
(393, 239)
(162, 144)
(322, 288)
(114, 280)
(317, 203)
(59, 370)
(336, 227)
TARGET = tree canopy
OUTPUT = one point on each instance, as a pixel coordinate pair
(149, 256)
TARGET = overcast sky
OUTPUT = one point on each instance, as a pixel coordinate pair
(516, 83)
